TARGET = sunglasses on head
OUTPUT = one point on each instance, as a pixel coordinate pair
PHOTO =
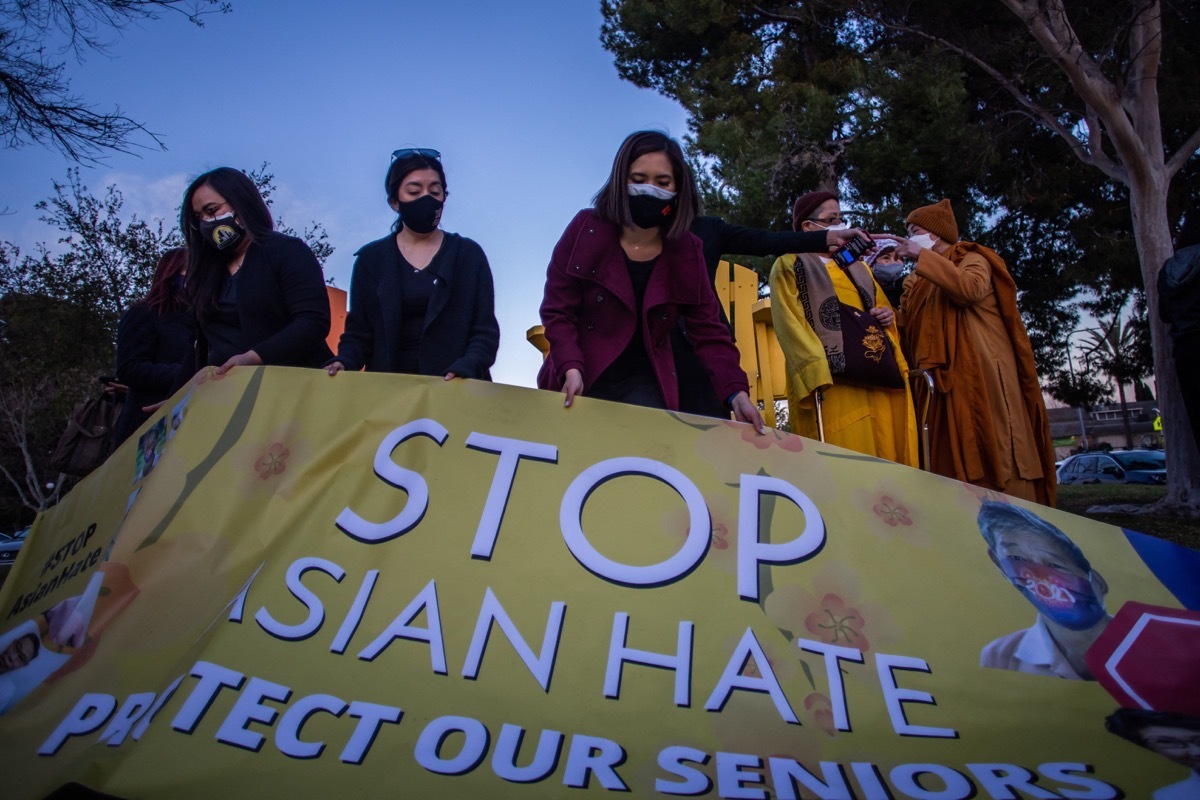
(408, 152)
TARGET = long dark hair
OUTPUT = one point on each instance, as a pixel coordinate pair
(401, 168)
(207, 267)
(166, 294)
(612, 201)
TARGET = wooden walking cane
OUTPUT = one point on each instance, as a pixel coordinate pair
(923, 414)
(817, 396)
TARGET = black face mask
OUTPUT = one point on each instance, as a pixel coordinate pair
(420, 215)
(650, 212)
(223, 233)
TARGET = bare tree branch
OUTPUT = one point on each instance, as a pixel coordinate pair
(1046, 21)
(1185, 153)
(36, 102)
(18, 403)
(1049, 118)
(1145, 56)
(1140, 96)
(1095, 131)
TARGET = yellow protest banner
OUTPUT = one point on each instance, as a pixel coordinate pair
(294, 585)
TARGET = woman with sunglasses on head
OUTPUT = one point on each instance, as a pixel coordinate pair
(154, 337)
(259, 296)
(421, 299)
(622, 275)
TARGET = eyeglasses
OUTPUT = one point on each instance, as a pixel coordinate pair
(212, 211)
(837, 219)
(409, 152)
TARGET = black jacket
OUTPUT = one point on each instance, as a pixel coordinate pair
(282, 304)
(1179, 292)
(150, 348)
(461, 333)
(719, 238)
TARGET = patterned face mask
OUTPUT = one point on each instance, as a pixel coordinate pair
(1060, 596)
(222, 233)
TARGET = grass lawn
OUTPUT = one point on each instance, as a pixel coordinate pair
(1078, 499)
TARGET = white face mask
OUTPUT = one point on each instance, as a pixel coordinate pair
(657, 192)
(923, 240)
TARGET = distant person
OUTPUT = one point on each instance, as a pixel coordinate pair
(1171, 735)
(1051, 572)
(259, 296)
(621, 276)
(889, 270)
(719, 238)
(987, 420)
(858, 374)
(421, 299)
(153, 339)
(1179, 308)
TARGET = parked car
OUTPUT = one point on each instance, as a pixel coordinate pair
(1117, 466)
(10, 545)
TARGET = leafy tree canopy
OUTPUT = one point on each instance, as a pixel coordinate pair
(897, 105)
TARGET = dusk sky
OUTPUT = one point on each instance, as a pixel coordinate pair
(520, 98)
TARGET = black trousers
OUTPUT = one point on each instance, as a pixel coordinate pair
(1183, 351)
(696, 394)
(638, 389)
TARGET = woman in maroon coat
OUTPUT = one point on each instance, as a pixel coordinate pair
(622, 275)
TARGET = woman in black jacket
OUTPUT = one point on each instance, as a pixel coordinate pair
(421, 299)
(259, 296)
(153, 338)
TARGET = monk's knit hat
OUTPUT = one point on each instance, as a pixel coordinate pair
(806, 204)
(938, 219)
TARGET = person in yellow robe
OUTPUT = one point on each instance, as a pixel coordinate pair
(806, 290)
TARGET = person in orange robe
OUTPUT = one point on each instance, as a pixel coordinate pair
(959, 319)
